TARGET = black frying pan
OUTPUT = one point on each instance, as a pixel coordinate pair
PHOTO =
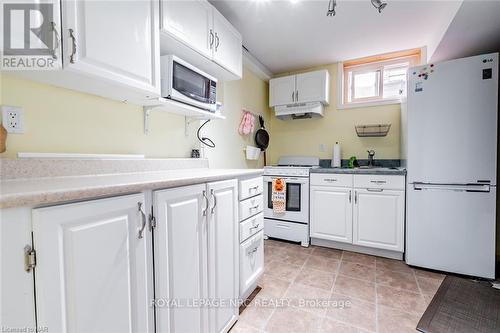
(262, 138)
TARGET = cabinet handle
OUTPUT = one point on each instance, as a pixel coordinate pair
(253, 250)
(297, 96)
(350, 194)
(215, 200)
(207, 202)
(143, 216)
(293, 96)
(211, 38)
(375, 189)
(355, 197)
(217, 42)
(73, 41)
(56, 37)
(255, 226)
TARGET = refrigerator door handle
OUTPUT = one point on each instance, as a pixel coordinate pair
(483, 188)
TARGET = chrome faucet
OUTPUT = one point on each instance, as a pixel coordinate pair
(371, 154)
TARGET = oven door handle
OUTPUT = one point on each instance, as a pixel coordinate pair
(288, 180)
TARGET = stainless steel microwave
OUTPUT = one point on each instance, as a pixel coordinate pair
(185, 83)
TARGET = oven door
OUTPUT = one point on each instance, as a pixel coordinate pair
(192, 87)
(297, 200)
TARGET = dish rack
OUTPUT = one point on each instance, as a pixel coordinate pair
(376, 130)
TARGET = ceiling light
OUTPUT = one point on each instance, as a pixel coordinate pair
(379, 5)
(331, 8)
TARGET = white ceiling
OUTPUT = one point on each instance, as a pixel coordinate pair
(474, 30)
(288, 35)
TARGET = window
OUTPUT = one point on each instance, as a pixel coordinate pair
(378, 78)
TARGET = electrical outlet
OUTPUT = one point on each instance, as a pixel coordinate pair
(322, 147)
(13, 119)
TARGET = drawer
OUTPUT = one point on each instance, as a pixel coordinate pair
(251, 226)
(251, 207)
(251, 187)
(251, 261)
(392, 182)
(295, 232)
(331, 179)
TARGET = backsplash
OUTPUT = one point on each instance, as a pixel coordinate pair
(385, 163)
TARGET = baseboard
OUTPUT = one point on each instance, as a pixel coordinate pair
(357, 248)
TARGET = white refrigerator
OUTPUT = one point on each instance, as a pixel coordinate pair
(450, 151)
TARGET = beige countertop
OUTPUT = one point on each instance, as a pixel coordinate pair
(32, 192)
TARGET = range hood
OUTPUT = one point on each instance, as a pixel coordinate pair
(299, 111)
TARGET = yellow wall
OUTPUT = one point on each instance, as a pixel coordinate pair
(250, 93)
(66, 121)
(303, 137)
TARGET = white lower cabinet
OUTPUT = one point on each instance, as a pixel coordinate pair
(251, 250)
(363, 210)
(196, 257)
(378, 219)
(252, 260)
(92, 270)
(161, 261)
(331, 213)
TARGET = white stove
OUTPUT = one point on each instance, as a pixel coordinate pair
(293, 224)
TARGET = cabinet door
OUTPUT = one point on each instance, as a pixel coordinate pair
(115, 42)
(227, 45)
(282, 90)
(251, 262)
(191, 22)
(180, 258)
(223, 259)
(379, 219)
(92, 272)
(331, 213)
(313, 87)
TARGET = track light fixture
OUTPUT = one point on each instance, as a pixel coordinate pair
(331, 8)
(378, 4)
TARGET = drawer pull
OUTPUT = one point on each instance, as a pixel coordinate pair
(375, 189)
(253, 251)
(330, 180)
(254, 207)
(255, 226)
(254, 187)
(378, 181)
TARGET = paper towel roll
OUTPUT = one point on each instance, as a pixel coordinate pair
(336, 155)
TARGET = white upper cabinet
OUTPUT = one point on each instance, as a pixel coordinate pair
(379, 219)
(92, 271)
(227, 45)
(196, 32)
(331, 213)
(113, 41)
(190, 22)
(313, 87)
(300, 88)
(282, 90)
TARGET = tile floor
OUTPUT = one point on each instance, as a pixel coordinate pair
(354, 292)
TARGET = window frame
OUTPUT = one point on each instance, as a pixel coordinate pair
(371, 64)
